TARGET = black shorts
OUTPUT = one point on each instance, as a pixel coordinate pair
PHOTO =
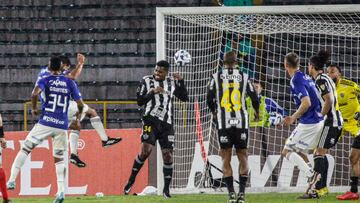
(230, 137)
(356, 143)
(329, 135)
(154, 129)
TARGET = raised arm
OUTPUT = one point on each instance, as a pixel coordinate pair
(74, 74)
(180, 88)
(211, 96)
(143, 95)
(272, 106)
(254, 98)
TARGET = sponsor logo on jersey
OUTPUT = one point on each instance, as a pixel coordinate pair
(53, 120)
(224, 139)
(231, 77)
(58, 82)
(234, 121)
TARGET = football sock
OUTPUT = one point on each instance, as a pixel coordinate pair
(3, 188)
(242, 185)
(99, 127)
(229, 181)
(354, 184)
(296, 159)
(138, 163)
(60, 175)
(74, 138)
(319, 167)
(167, 170)
(18, 163)
(326, 168)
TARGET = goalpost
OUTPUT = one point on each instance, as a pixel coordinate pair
(262, 35)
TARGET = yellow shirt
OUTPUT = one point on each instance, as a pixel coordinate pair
(348, 92)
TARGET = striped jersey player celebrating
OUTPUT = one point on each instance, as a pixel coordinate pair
(305, 136)
(348, 93)
(88, 111)
(156, 93)
(56, 90)
(333, 120)
(226, 100)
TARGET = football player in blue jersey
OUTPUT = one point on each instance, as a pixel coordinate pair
(306, 134)
(56, 91)
(75, 127)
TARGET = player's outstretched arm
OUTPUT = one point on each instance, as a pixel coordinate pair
(250, 90)
(143, 96)
(275, 107)
(304, 106)
(180, 88)
(74, 74)
(211, 96)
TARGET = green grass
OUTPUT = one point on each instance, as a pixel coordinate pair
(205, 198)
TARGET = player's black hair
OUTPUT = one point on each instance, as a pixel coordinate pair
(55, 63)
(320, 59)
(65, 60)
(164, 64)
(292, 60)
(230, 58)
(336, 66)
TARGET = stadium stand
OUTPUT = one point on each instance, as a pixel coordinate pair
(117, 37)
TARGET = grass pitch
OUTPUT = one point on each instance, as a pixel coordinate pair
(199, 198)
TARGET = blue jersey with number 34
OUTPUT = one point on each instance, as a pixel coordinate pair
(56, 93)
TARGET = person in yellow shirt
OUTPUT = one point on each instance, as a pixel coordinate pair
(270, 112)
(348, 92)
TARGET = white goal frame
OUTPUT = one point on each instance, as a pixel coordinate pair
(161, 12)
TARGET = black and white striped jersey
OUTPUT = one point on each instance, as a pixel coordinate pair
(160, 105)
(226, 95)
(325, 85)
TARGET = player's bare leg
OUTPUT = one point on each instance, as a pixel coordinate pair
(227, 173)
(167, 170)
(74, 138)
(138, 163)
(243, 173)
(97, 124)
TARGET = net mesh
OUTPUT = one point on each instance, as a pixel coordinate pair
(262, 41)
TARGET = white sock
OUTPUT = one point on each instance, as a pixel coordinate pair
(60, 175)
(18, 163)
(74, 138)
(296, 159)
(99, 127)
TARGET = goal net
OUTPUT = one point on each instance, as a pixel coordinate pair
(262, 36)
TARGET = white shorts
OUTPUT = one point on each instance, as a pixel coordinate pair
(40, 132)
(73, 109)
(304, 137)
